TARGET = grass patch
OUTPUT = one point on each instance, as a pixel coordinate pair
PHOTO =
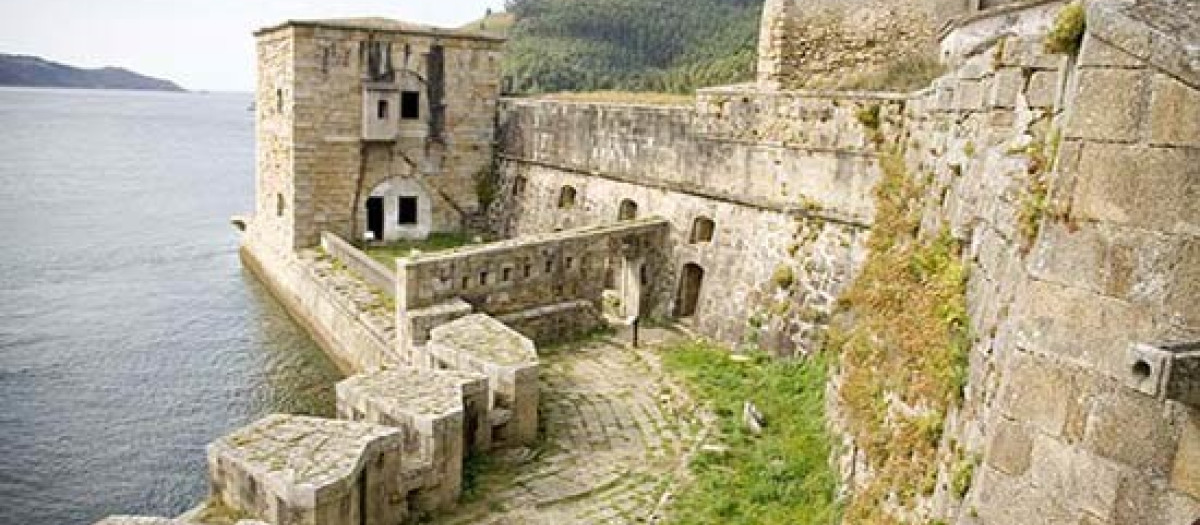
(904, 350)
(623, 97)
(780, 477)
(436, 242)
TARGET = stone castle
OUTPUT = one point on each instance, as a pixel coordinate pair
(1070, 176)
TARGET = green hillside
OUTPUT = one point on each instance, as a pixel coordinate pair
(632, 45)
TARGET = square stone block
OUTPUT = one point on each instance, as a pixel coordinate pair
(1148, 187)
(1185, 475)
(1108, 105)
(1174, 113)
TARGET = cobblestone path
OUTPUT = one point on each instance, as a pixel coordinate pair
(615, 435)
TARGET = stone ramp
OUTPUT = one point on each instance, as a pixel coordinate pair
(616, 432)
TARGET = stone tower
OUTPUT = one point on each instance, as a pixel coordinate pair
(372, 129)
(774, 43)
(842, 44)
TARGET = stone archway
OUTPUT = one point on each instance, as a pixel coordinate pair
(396, 209)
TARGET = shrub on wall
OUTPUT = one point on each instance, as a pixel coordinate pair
(1066, 34)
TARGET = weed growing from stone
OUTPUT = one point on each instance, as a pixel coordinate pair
(782, 476)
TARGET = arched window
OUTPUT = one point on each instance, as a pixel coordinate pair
(566, 197)
(628, 210)
(702, 230)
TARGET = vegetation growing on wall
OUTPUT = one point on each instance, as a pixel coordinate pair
(1036, 203)
(635, 45)
(782, 476)
(1066, 34)
(902, 338)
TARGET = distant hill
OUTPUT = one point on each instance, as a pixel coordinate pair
(30, 71)
(631, 45)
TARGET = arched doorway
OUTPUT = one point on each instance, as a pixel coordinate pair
(690, 282)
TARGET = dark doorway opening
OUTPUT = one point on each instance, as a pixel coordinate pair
(689, 290)
(375, 217)
(410, 105)
(408, 211)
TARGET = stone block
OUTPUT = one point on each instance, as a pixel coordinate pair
(1040, 393)
(1011, 448)
(1147, 187)
(1185, 474)
(1008, 84)
(480, 343)
(969, 96)
(1098, 53)
(1174, 113)
(1085, 482)
(296, 469)
(1134, 429)
(1042, 91)
(1108, 105)
(444, 416)
(1083, 326)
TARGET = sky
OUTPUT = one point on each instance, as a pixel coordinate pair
(199, 44)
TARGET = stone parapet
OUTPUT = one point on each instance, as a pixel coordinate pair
(480, 344)
(360, 263)
(294, 469)
(444, 415)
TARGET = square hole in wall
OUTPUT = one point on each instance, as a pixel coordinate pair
(410, 105)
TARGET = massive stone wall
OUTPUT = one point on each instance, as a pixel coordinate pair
(783, 179)
(347, 317)
(1072, 179)
(321, 156)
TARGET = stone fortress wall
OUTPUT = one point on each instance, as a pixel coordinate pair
(1071, 179)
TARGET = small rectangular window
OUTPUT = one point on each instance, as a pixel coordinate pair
(408, 211)
(410, 105)
(382, 110)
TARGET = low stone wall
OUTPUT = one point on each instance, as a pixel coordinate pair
(347, 317)
(369, 269)
(532, 272)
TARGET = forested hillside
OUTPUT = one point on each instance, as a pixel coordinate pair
(637, 45)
